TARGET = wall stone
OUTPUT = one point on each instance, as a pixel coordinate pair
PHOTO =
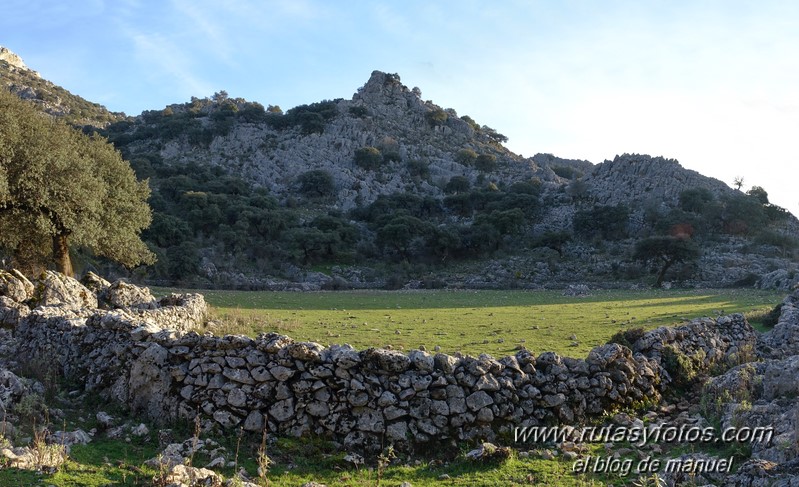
(362, 399)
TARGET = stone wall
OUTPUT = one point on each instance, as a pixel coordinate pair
(363, 399)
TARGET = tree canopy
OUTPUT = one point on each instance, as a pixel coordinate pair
(667, 251)
(60, 187)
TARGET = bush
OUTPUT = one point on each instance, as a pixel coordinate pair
(694, 200)
(436, 117)
(609, 222)
(485, 162)
(368, 158)
(766, 318)
(628, 337)
(684, 370)
(465, 157)
(566, 172)
(316, 183)
(418, 169)
(359, 111)
(457, 184)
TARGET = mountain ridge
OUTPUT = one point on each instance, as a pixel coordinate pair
(341, 174)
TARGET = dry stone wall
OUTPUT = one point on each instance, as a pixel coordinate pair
(363, 399)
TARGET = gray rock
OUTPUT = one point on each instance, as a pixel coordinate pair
(237, 398)
(281, 373)
(54, 289)
(478, 400)
(123, 295)
(254, 421)
(14, 285)
(150, 382)
(282, 410)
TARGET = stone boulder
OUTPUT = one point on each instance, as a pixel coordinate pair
(12, 388)
(783, 339)
(14, 285)
(121, 294)
(56, 289)
(96, 283)
(150, 382)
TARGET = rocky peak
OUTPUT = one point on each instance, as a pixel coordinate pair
(636, 178)
(14, 60)
(385, 95)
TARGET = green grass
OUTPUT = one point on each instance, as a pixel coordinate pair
(468, 321)
(473, 322)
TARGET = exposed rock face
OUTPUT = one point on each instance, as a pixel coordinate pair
(781, 279)
(635, 178)
(12, 388)
(394, 119)
(12, 59)
(11, 311)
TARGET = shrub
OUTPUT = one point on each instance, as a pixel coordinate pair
(627, 337)
(359, 111)
(566, 172)
(766, 318)
(457, 184)
(316, 183)
(609, 222)
(436, 117)
(418, 169)
(485, 162)
(695, 199)
(684, 370)
(465, 157)
(368, 158)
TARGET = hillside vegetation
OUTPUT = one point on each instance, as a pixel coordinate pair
(387, 190)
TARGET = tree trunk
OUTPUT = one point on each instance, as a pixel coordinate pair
(662, 274)
(61, 258)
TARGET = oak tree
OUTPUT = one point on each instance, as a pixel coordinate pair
(61, 188)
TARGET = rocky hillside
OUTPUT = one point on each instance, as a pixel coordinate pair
(388, 189)
(51, 98)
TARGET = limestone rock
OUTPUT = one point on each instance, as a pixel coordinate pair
(11, 312)
(96, 284)
(192, 476)
(388, 360)
(15, 285)
(121, 294)
(150, 382)
(55, 289)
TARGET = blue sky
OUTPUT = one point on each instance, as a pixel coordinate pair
(714, 84)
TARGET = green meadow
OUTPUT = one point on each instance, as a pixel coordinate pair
(473, 322)
(470, 322)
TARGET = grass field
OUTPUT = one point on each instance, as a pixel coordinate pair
(468, 321)
(473, 322)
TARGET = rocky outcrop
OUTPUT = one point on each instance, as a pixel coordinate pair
(15, 286)
(637, 178)
(384, 114)
(781, 279)
(763, 395)
(56, 289)
(12, 59)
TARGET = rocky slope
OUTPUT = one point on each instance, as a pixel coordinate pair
(17, 77)
(418, 148)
